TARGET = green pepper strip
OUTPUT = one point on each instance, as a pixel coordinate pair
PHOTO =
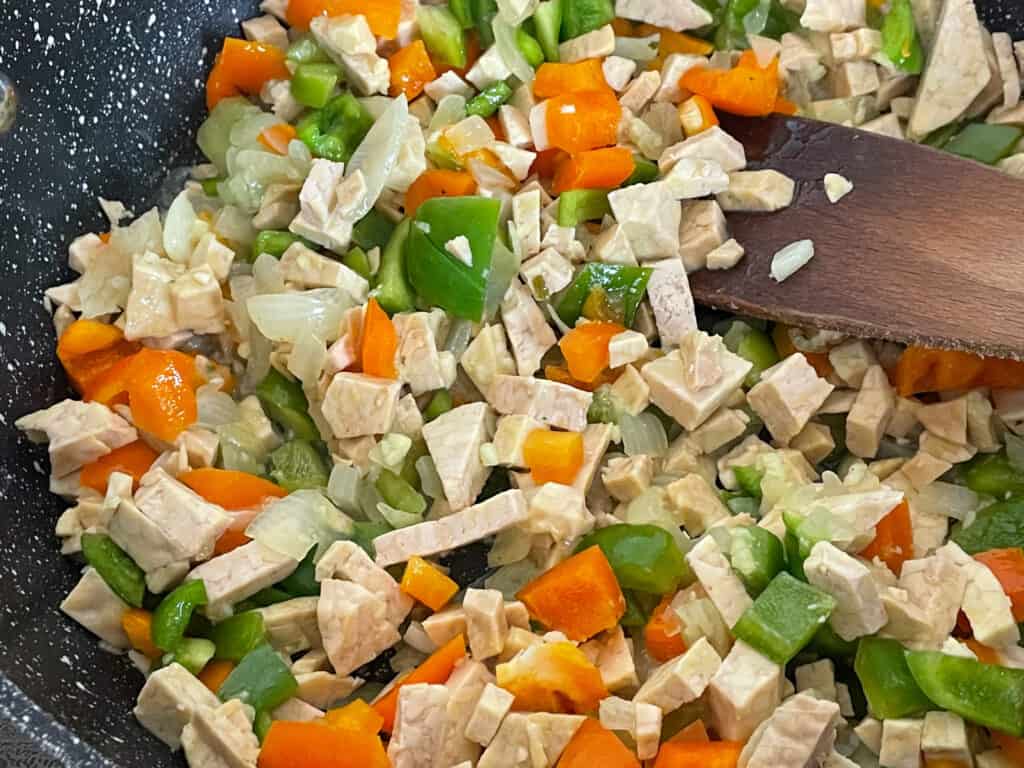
(261, 680)
(335, 131)
(238, 635)
(984, 142)
(275, 242)
(484, 12)
(358, 262)
(115, 567)
(547, 20)
(313, 84)
(486, 103)
(442, 34)
(399, 494)
(749, 479)
(462, 11)
(192, 653)
(302, 581)
(752, 345)
(644, 171)
(997, 526)
(639, 607)
(172, 616)
(623, 286)
(440, 403)
(993, 475)
(393, 291)
(286, 404)
(757, 556)
(297, 465)
(582, 16)
(306, 51)
(529, 46)
(986, 694)
(578, 205)
(645, 558)
(886, 679)
(374, 230)
(900, 41)
(784, 618)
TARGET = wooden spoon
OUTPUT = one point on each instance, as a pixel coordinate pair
(927, 249)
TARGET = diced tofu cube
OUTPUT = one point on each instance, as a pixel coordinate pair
(833, 15)
(96, 607)
(851, 361)
(489, 68)
(240, 573)
(870, 414)
(944, 738)
(819, 676)
(743, 693)
(626, 347)
(714, 144)
(757, 191)
(546, 273)
(650, 218)
(696, 503)
(612, 247)
(678, 16)
(592, 45)
(491, 708)
(355, 404)
(814, 441)
(682, 680)
(510, 437)
(859, 44)
(676, 65)
(454, 439)
(515, 126)
(725, 256)
(559, 511)
(487, 356)
(347, 560)
(419, 731)
(485, 621)
(859, 609)
(988, 608)
(552, 403)
(305, 268)
(719, 580)
(640, 92)
(800, 732)
(627, 477)
(980, 424)
(528, 331)
(632, 391)
(691, 179)
(787, 395)
(669, 293)
(197, 302)
(703, 230)
(901, 743)
(466, 686)
(448, 84)
(947, 419)
(221, 737)
(419, 361)
(612, 654)
(291, 625)
(168, 701)
(724, 426)
(530, 740)
(855, 78)
(618, 71)
(353, 623)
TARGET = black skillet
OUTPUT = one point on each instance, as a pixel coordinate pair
(110, 97)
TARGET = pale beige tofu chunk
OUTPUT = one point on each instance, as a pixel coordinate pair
(626, 347)
(168, 701)
(627, 477)
(981, 431)
(322, 689)
(681, 680)
(450, 622)
(528, 331)
(305, 268)
(859, 610)
(454, 440)
(944, 737)
(800, 732)
(696, 503)
(291, 625)
(492, 706)
(533, 740)
(713, 144)
(233, 576)
(668, 290)
(724, 426)
(678, 16)
(743, 693)
(357, 405)
(901, 743)
(787, 395)
(870, 414)
(485, 621)
(347, 560)
(353, 624)
(814, 441)
(420, 363)
(420, 726)
(632, 391)
(649, 216)
(296, 710)
(725, 256)
(465, 686)
(559, 511)
(640, 91)
(550, 402)
(719, 580)
(96, 607)
(851, 360)
(221, 737)
(79, 433)
(947, 419)
(510, 437)
(945, 450)
(487, 356)
(612, 653)
(757, 191)
(702, 231)
(855, 78)
(819, 676)
(923, 469)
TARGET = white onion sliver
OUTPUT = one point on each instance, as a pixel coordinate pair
(791, 258)
(505, 39)
(450, 110)
(947, 499)
(298, 522)
(178, 227)
(267, 275)
(509, 579)
(215, 407)
(1015, 451)
(430, 480)
(396, 518)
(377, 153)
(643, 434)
(343, 488)
(638, 48)
(307, 359)
(290, 316)
(258, 365)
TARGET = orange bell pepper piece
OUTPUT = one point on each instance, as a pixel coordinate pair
(276, 138)
(939, 370)
(133, 459)
(111, 386)
(382, 15)
(696, 115)
(547, 162)
(553, 457)
(552, 677)
(138, 625)
(663, 634)
(230, 488)
(161, 392)
(695, 731)
(232, 538)
(580, 596)
(380, 343)
(242, 67)
(580, 121)
(423, 581)
(561, 374)
(1012, 747)
(746, 89)
(597, 169)
(289, 744)
(985, 654)
(215, 673)
(411, 69)
(1003, 374)
(556, 79)
(894, 539)
(438, 183)
(357, 715)
(88, 348)
(435, 669)
(697, 754)
(585, 349)
(1007, 565)
(594, 745)
(784, 346)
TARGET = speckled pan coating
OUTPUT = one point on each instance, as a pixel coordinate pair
(110, 95)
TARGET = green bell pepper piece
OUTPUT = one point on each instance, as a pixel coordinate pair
(900, 41)
(888, 684)
(296, 465)
(741, 504)
(374, 230)
(442, 34)
(645, 558)
(547, 22)
(993, 475)
(752, 345)
(335, 131)
(417, 450)
(285, 403)
(462, 11)
(399, 494)
(529, 47)
(238, 635)
(827, 643)
(302, 581)
(261, 680)
(984, 142)
(759, 17)
(605, 408)
(261, 724)
(306, 51)
(757, 556)
(443, 281)
(644, 171)
(639, 607)
(578, 205)
(795, 556)
(784, 618)
(357, 261)
(192, 653)
(440, 403)
(486, 103)
(484, 12)
(313, 84)
(997, 526)
(749, 479)
(582, 16)
(115, 567)
(172, 616)
(619, 289)
(210, 187)
(275, 242)
(475, 218)
(263, 598)
(363, 534)
(986, 694)
(393, 291)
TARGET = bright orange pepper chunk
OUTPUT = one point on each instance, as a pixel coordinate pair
(594, 745)
(561, 374)
(381, 15)
(552, 677)
(940, 370)
(663, 634)
(161, 392)
(580, 121)
(1012, 746)
(356, 715)
(553, 457)
(215, 673)
(580, 596)
(784, 346)
(1007, 565)
(133, 459)
(585, 349)
(232, 538)
(438, 183)
(242, 67)
(411, 69)
(88, 348)
(230, 488)
(424, 582)
(558, 79)
(436, 669)
(894, 540)
(138, 625)
(698, 754)
(596, 169)
(315, 744)
(380, 343)
(746, 89)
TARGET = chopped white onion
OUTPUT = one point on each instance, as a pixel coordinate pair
(298, 522)
(267, 275)
(391, 451)
(788, 260)
(430, 480)
(396, 518)
(450, 110)
(307, 359)
(947, 499)
(343, 488)
(377, 153)
(504, 268)
(638, 48)
(509, 579)
(505, 39)
(1015, 451)
(232, 223)
(215, 407)
(643, 434)
(290, 316)
(179, 225)
(510, 546)
(460, 334)
(258, 364)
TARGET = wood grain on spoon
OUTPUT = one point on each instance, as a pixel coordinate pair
(928, 248)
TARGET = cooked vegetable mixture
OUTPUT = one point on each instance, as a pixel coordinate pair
(430, 292)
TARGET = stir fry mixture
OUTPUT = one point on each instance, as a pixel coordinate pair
(427, 305)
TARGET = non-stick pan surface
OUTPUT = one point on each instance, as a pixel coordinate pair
(110, 97)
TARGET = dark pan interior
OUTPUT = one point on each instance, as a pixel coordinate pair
(111, 95)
